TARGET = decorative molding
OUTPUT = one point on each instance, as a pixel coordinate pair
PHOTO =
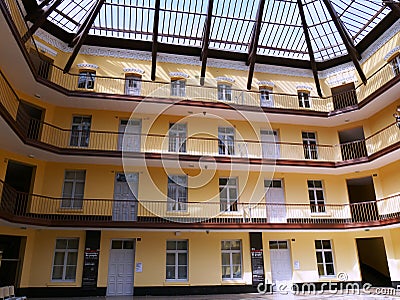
(266, 83)
(224, 78)
(46, 49)
(343, 77)
(87, 66)
(134, 70)
(178, 75)
(53, 41)
(391, 53)
(304, 87)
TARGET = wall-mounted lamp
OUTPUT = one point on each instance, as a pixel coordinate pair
(397, 116)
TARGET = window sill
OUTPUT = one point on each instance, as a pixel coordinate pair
(61, 283)
(176, 282)
(233, 281)
(69, 210)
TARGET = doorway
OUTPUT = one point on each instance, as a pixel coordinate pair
(344, 96)
(270, 144)
(11, 253)
(30, 118)
(129, 135)
(352, 143)
(125, 197)
(281, 265)
(275, 201)
(362, 198)
(42, 63)
(120, 268)
(17, 188)
(373, 262)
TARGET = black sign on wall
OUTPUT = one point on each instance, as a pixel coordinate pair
(257, 258)
(91, 260)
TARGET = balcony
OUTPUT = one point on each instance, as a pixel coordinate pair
(61, 140)
(50, 211)
(67, 83)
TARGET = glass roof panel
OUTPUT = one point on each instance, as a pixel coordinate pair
(182, 22)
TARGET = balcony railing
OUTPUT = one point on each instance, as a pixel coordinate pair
(38, 209)
(38, 132)
(117, 86)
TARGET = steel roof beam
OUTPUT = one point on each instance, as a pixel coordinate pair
(348, 42)
(38, 17)
(309, 47)
(205, 42)
(254, 42)
(154, 47)
(82, 33)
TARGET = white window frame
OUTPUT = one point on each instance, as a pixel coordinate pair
(226, 145)
(310, 143)
(304, 99)
(224, 91)
(73, 199)
(228, 204)
(177, 185)
(324, 263)
(178, 87)
(176, 253)
(395, 64)
(66, 251)
(86, 79)
(316, 205)
(81, 131)
(231, 265)
(177, 135)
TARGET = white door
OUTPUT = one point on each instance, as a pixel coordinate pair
(275, 201)
(281, 265)
(129, 136)
(270, 144)
(125, 197)
(121, 268)
(266, 99)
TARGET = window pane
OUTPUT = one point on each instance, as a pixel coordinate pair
(61, 244)
(182, 272)
(80, 175)
(330, 270)
(171, 245)
(182, 258)
(328, 257)
(225, 259)
(321, 271)
(319, 257)
(170, 272)
(236, 258)
(170, 259)
(318, 244)
(237, 272)
(225, 245)
(226, 272)
(320, 195)
(116, 244)
(70, 272)
(128, 244)
(73, 244)
(235, 245)
(72, 258)
(232, 194)
(67, 192)
(282, 245)
(326, 244)
(273, 245)
(318, 183)
(59, 258)
(57, 272)
(182, 245)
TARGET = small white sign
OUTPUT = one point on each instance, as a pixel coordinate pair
(296, 265)
(139, 267)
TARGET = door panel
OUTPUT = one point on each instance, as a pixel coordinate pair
(270, 144)
(281, 265)
(129, 137)
(125, 196)
(275, 200)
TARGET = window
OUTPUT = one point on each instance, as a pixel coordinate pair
(231, 252)
(177, 193)
(226, 140)
(177, 137)
(304, 99)
(228, 194)
(316, 196)
(80, 131)
(266, 99)
(177, 260)
(133, 85)
(310, 145)
(86, 80)
(224, 92)
(178, 87)
(395, 63)
(74, 186)
(65, 259)
(324, 258)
